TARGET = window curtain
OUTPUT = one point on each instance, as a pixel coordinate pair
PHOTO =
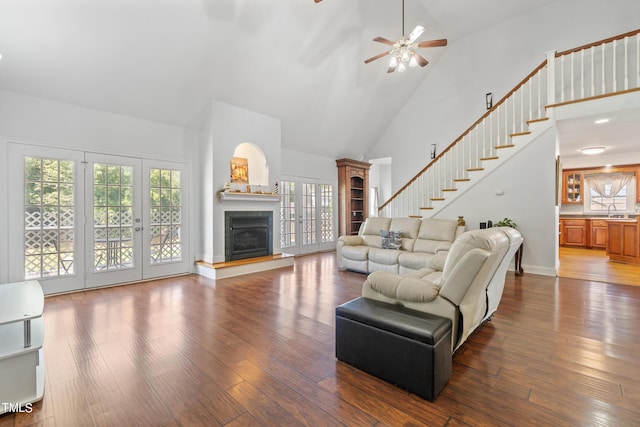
(598, 182)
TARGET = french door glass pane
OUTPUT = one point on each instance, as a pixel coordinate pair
(308, 214)
(48, 217)
(288, 214)
(165, 204)
(113, 217)
(326, 213)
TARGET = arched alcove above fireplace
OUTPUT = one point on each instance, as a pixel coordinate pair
(257, 166)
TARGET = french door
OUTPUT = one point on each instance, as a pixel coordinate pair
(113, 203)
(86, 220)
(307, 216)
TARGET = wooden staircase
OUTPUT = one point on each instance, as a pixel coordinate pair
(604, 68)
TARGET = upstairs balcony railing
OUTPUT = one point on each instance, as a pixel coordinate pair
(605, 68)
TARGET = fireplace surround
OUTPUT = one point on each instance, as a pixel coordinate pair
(248, 234)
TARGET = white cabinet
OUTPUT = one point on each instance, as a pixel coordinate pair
(21, 338)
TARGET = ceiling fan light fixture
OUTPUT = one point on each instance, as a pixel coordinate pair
(414, 60)
(592, 150)
(405, 55)
(401, 67)
(393, 62)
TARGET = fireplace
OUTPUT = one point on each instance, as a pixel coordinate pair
(248, 234)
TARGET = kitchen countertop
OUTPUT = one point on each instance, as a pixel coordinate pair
(570, 216)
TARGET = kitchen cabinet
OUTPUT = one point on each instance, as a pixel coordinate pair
(353, 195)
(572, 187)
(574, 232)
(622, 240)
(598, 234)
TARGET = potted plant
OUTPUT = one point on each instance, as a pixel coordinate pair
(506, 223)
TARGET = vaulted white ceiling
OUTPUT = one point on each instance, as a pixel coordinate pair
(295, 60)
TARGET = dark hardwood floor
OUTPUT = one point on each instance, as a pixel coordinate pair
(259, 350)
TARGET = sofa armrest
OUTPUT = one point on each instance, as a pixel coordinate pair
(352, 241)
(457, 281)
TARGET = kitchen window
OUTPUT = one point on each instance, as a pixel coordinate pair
(610, 193)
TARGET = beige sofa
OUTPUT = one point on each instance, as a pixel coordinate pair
(423, 243)
(476, 261)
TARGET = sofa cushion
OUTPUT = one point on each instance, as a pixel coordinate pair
(438, 229)
(370, 231)
(374, 224)
(408, 287)
(430, 246)
(384, 256)
(415, 260)
(409, 228)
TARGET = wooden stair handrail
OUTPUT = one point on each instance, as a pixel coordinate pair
(469, 129)
(502, 100)
(598, 43)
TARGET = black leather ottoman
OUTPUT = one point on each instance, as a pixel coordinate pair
(408, 348)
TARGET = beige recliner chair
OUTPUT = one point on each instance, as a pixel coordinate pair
(457, 292)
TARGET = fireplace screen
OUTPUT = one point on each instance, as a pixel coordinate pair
(248, 234)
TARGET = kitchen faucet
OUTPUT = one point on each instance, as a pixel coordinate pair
(609, 209)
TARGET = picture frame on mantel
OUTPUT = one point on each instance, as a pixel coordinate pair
(239, 170)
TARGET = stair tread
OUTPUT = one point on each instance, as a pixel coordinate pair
(504, 146)
(489, 158)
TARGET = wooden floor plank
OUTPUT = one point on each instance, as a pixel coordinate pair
(259, 350)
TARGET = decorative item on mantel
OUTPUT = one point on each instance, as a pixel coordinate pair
(461, 221)
(245, 192)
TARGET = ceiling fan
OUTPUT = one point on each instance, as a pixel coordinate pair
(403, 50)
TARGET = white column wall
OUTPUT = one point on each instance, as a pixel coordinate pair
(224, 127)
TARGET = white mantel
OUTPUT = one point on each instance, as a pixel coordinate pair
(248, 197)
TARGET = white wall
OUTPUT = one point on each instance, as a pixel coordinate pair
(494, 60)
(29, 119)
(305, 165)
(527, 182)
(224, 127)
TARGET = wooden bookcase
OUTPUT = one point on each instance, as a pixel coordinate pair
(353, 195)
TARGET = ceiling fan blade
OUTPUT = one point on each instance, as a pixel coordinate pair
(420, 60)
(383, 40)
(391, 69)
(417, 32)
(317, 1)
(433, 43)
(377, 57)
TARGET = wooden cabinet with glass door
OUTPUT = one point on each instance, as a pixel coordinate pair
(572, 186)
(353, 195)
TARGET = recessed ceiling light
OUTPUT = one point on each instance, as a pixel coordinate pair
(592, 150)
(601, 121)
